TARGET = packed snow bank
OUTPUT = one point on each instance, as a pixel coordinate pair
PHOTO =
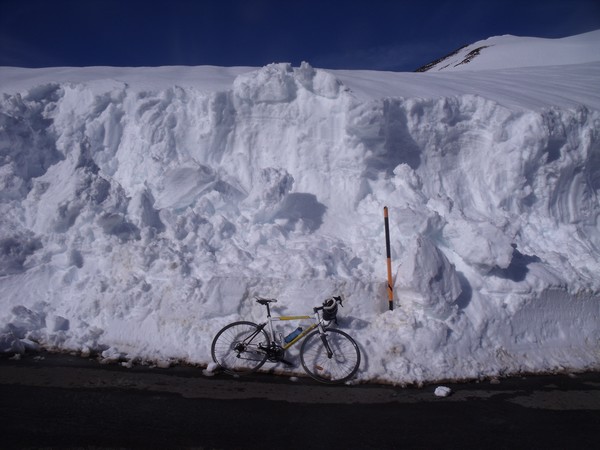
(137, 220)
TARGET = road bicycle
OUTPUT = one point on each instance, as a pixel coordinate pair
(327, 354)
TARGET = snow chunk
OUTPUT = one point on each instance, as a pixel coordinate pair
(442, 391)
(427, 280)
(182, 186)
(480, 244)
(210, 370)
(274, 83)
(279, 83)
(320, 82)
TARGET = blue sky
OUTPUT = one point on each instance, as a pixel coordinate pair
(376, 34)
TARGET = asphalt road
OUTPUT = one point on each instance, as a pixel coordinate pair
(71, 402)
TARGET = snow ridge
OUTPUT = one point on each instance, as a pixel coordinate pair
(503, 52)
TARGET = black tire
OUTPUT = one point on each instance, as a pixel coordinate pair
(237, 348)
(342, 366)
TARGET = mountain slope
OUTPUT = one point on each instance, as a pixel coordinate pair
(505, 52)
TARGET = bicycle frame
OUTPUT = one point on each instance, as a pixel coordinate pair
(317, 324)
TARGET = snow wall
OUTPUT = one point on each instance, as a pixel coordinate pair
(136, 223)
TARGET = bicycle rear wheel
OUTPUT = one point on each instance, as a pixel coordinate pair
(338, 368)
(238, 348)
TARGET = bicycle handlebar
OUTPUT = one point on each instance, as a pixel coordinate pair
(338, 299)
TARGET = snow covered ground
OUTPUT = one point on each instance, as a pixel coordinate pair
(142, 209)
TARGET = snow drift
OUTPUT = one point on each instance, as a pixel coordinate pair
(143, 209)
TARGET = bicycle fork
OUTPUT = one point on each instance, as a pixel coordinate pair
(323, 335)
(326, 345)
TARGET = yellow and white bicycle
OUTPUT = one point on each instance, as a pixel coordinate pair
(327, 354)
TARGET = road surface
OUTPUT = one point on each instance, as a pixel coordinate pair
(67, 401)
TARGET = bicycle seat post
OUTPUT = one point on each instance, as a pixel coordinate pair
(266, 301)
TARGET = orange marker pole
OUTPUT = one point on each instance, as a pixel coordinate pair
(390, 289)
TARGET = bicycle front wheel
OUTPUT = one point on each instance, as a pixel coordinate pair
(239, 348)
(337, 368)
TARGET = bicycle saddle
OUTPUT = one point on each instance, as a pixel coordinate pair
(264, 301)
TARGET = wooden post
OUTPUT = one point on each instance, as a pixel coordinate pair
(390, 288)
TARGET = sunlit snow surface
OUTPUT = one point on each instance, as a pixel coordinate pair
(141, 209)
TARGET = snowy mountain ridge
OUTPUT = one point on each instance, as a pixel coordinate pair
(505, 52)
(143, 209)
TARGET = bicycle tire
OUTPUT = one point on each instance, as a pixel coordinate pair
(342, 366)
(235, 356)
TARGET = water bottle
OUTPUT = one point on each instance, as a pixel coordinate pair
(290, 337)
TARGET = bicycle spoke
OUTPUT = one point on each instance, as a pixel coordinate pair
(236, 348)
(342, 365)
